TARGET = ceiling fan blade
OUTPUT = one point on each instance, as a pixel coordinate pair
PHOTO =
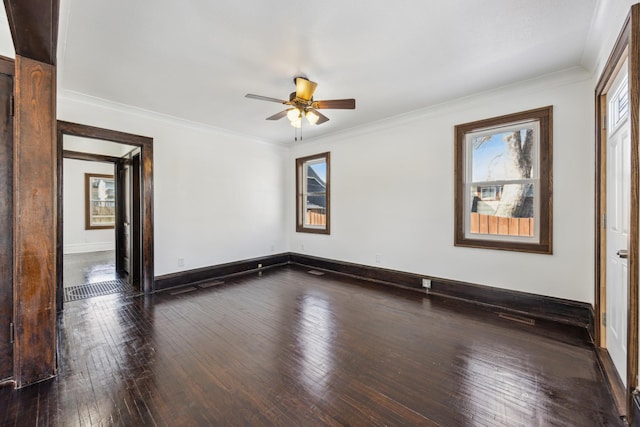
(336, 104)
(321, 117)
(305, 88)
(265, 98)
(278, 116)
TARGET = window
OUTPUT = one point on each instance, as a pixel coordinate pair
(489, 193)
(312, 194)
(100, 201)
(503, 182)
(619, 106)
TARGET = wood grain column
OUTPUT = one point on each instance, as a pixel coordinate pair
(35, 164)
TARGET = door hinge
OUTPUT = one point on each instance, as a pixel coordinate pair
(11, 338)
(604, 122)
(604, 319)
(604, 220)
(12, 106)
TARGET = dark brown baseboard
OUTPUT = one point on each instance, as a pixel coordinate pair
(189, 277)
(532, 305)
(521, 303)
(529, 305)
(375, 274)
(616, 387)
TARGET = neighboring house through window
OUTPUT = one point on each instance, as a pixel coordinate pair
(503, 182)
(312, 194)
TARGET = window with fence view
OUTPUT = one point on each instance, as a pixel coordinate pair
(312, 202)
(502, 183)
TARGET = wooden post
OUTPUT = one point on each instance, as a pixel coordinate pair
(34, 221)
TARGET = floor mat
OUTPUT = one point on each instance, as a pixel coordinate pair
(74, 293)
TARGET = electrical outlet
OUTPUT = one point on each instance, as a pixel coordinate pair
(180, 262)
(377, 258)
(302, 247)
(426, 283)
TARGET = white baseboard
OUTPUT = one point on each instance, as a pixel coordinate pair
(79, 248)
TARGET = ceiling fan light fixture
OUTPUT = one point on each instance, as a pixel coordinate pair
(294, 114)
(312, 117)
(301, 104)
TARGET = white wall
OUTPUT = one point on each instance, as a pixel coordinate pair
(608, 20)
(392, 193)
(222, 197)
(218, 197)
(76, 238)
(6, 42)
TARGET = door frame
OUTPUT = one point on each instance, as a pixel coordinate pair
(627, 45)
(118, 168)
(146, 195)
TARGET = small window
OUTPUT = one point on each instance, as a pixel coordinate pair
(312, 194)
(100, 201)
(489, 193)
(503, 182)
(619, 106)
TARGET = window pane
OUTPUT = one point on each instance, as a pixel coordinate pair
(502, 210)
(316, 202)
(100, 202)
(503, 156)
(619, 106)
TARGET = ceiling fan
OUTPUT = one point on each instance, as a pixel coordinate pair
(303, 104)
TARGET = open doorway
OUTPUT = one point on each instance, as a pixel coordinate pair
(113, 238)
(97, 208)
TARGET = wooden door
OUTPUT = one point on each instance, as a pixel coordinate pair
(6, 227)
(135, 229)
(121, 228)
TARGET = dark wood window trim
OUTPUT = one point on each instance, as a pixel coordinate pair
(88, 211)
(301, 225)
(544, 116)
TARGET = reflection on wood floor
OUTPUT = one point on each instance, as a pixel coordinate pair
(89, 267)
(293, 349)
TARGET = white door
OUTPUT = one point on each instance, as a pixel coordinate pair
(617, 219)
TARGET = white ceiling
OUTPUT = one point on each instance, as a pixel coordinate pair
(197, 59)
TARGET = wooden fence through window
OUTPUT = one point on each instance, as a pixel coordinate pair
(314, 218)
(489, 224)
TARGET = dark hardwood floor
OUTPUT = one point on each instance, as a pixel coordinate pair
(292, 349)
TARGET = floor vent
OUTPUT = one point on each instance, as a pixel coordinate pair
(89, 290)
(210, 284)
(515, 318)
(183, 290)
(316, 272)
